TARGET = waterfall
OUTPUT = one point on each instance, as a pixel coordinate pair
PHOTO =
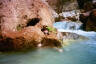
(67, 25)
(73, 27)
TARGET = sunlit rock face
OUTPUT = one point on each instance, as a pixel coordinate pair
(21, 22)
(62, 5)
(15, 12)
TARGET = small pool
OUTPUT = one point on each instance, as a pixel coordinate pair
(75, 53)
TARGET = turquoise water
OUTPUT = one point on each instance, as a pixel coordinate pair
(79, 52)
(76, 53)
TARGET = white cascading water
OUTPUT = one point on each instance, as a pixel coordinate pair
(81, 52)
(73, 27)
(67, 25)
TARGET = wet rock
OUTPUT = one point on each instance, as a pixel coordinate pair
(51, 41)
(70, 36)
(84, 18)
(21, 22)
(60, 6)
(82, 2)
(91, 23)
(87, 17)
(89, 20)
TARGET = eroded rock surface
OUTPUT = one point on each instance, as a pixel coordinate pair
(61, 6)
(21, 22)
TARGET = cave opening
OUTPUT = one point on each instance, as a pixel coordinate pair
(33, 22)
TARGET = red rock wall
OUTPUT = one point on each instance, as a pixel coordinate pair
(14, 12)
(14, 18)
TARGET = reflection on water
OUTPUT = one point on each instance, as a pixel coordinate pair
(76, 53)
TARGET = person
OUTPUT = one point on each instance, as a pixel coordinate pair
(45, 30)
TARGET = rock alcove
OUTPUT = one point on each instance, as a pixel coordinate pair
(33, 22)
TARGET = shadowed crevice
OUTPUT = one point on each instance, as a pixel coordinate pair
(33, 22)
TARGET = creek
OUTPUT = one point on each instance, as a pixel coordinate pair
(78, 52)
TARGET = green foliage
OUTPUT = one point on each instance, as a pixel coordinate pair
(19, 27)
(52, 29)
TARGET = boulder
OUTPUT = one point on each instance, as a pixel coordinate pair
(91, 23)
(70, 36)
(88, 16)
(82, 2)
(21, 22)
(61, 6)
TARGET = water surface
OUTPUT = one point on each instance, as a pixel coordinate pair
(79, 52)
(76, 53)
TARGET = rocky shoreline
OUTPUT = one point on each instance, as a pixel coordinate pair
(21, 22)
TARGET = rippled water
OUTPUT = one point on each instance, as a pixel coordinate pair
(76, 53)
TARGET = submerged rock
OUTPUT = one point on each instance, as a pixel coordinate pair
(70, 36)
(21, 22)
